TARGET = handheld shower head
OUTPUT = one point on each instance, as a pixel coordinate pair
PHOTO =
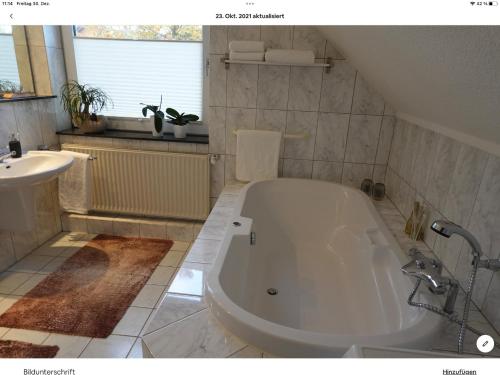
(447, 228)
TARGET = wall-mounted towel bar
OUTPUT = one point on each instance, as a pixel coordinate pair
(287, 136)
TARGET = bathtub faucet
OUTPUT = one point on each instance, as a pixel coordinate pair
(430, 272)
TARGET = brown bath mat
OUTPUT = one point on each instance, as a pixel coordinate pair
(19, 349)
(90, 292)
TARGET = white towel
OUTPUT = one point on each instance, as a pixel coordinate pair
(246, 46)
(75, 185)
(290, 56)
(257, 154)
(247, 56)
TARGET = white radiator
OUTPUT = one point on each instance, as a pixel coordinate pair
(149, 183)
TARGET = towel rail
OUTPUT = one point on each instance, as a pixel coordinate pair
(287, 136)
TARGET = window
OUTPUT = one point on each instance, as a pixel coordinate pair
(8, 63)
(137, 64)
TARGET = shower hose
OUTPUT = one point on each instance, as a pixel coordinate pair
(463, 323)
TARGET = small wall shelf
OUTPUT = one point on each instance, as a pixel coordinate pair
(327, 66)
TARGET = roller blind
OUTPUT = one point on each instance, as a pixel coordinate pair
(134, 71)
(8, 63)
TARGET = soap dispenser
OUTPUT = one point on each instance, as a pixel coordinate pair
(15, 146)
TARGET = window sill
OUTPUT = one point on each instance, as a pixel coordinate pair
(137, 135)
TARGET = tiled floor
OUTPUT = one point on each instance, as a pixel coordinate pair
(125, 341)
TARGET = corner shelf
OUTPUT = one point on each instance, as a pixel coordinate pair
(327, 66)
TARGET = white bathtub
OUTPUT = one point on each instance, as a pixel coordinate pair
(336, 268)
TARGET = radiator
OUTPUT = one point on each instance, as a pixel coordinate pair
(149, 183)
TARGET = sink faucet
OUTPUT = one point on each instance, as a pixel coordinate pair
(430, 271)
(6, 155)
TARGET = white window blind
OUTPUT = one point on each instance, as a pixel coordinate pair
(133, 72)
(8, 63)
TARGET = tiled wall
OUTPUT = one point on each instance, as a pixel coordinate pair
(457, 182)
(36, 121)
(350, 127)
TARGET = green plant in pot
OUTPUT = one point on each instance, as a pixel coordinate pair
(179, 120)
(83, 102)
(158, 117)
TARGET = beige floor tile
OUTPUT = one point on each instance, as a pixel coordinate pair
(53, 265)
(172, 259)
(113, 346)
(69, 346)
(180, 246)
(28, 285)
(132, 322)
(49, 249)
(136, 351)
(70, 251)
(161, 276)
(26, 335)
(190, 279)
(248, 352)
(3, 331)
(9, 281)
(7, 302)
(148, 296)
(31, 263)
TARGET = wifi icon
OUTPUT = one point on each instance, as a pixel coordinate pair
(472, 2)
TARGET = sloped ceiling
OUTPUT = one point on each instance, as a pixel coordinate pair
(448, 76)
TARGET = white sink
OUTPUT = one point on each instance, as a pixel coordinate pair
(32, 168)
(18, 178)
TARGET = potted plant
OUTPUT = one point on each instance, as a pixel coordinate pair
(157, 119)
(82, 102)
(179, 120)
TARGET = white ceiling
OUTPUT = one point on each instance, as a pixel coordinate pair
(445, 76)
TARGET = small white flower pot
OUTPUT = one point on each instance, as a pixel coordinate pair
(179, 131)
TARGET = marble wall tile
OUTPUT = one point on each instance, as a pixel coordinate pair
(268, 119)
(40, 69)
(47, 117)
(362, 138)
(28, 124)
(327, 171)
(217, 176)
(442, 171)
(218, 39)
(379, 172)
(331, 136)
(385, 140)
(366, 101)
(465, 182)
(337, 88)
(485, 220)
(407, 156)
(424, 155)
(242, 86)
(24, 243)
(243, 33)
(57, 68)
(9, 125)
(217, 129)
(297, 168)
(332, 52)
(397, 145)
(217, 88)
(230, 170)
(392, 182)
(237, 118)
(309, 38)
(448, 250)
(35, 35)
(52, 36)
(354, 174)
(276, 36)
(296, 123)
(273, 87)
(491, 304)
(305, 88)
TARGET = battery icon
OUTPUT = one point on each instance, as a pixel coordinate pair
(493, 3)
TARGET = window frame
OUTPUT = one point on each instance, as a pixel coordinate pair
(67, 33)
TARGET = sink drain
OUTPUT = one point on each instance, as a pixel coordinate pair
(272, 291)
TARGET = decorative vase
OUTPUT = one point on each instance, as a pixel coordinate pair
(156, 133)
(89, 126)
(179, 131)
